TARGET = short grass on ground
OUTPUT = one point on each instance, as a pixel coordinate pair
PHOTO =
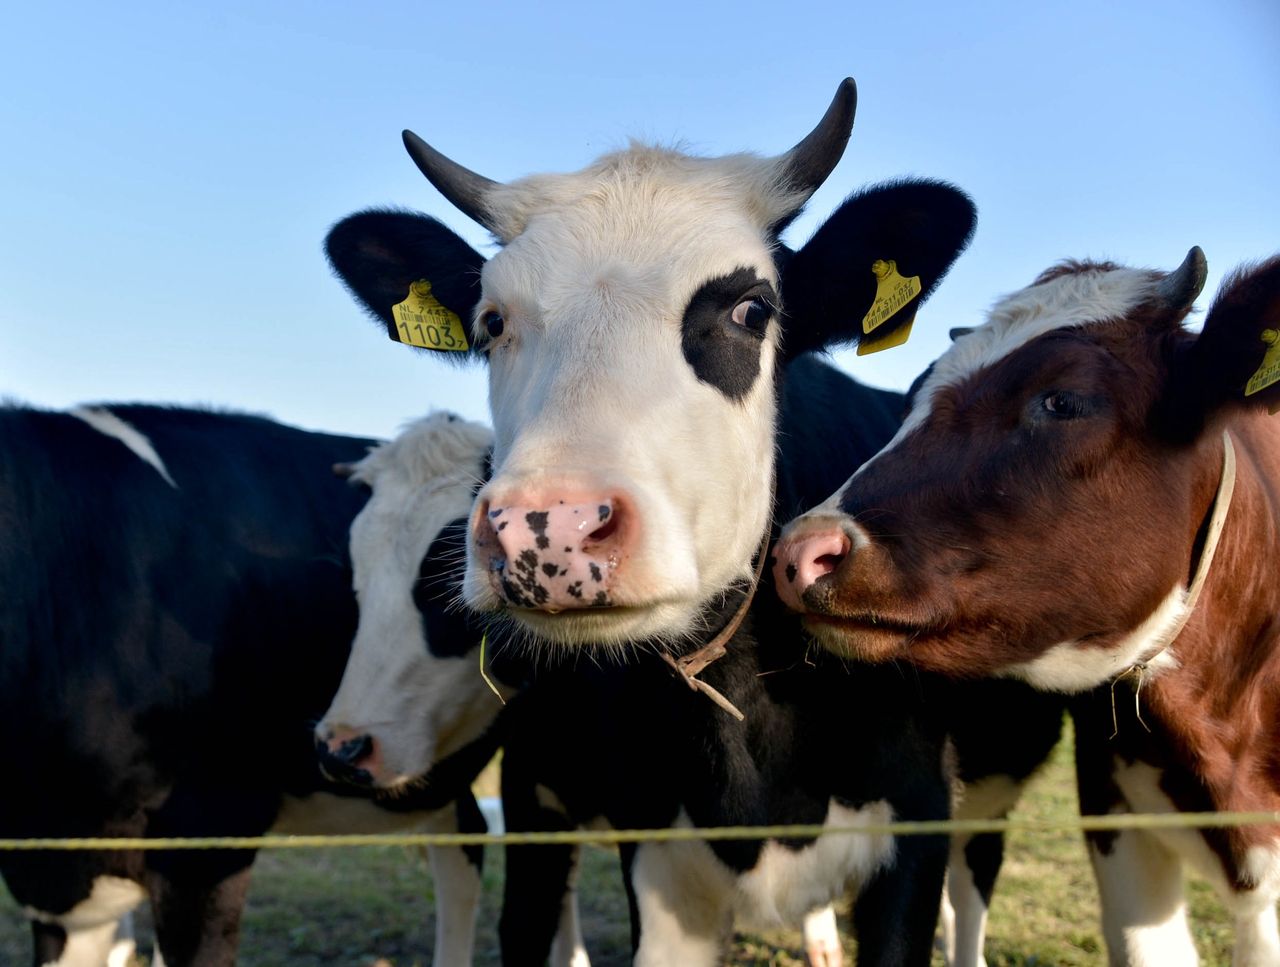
(367, 906)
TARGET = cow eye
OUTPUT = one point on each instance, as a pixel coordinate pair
(1063, 405)
(752, 314)
(493, 323)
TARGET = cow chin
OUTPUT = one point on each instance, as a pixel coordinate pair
(856, 641)
(617, 627)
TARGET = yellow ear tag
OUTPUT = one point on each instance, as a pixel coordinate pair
(1269, 371)
(895, 338)
(892, 293)
(422, 321)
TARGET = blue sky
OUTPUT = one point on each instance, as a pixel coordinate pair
(168, 172)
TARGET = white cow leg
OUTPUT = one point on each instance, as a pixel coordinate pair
(1144, 913)
(87, 946)
(568, 948)
(458, 888)
(683, 899)
(968, 937)
(822, 938)
(1257, 939)
(945, 941)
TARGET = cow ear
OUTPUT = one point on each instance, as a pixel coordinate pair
(873, 262)
(1235, 361)
(412, 274)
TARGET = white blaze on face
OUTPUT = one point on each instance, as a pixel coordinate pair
(1075, 299)
(418, 707)
(591, 390)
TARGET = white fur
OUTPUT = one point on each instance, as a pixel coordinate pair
(590, 390)
(1157, 856)
(1069, 300)
(108, 424)
(689, 900)
(1144, 915)
(822, 938)
(1073, 666)
(419, 708)
(92, 923)
(964, 913)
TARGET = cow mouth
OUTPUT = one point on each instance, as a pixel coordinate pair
(866, 636)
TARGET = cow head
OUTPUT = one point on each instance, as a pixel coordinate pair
(634, 321)
(1043, 506)
(412, 692)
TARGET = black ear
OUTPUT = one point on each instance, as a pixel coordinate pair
(1236, 359)
(399, 258)
(829, 287)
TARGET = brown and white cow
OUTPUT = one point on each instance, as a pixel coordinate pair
(1043, 513)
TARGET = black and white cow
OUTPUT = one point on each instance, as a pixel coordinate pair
(644, 375)
(177, 613)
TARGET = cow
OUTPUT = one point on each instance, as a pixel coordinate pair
(1084, 496)
(177, 613)
(645, 332)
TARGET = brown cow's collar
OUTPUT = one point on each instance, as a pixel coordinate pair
(1217, 520)
(689, 666)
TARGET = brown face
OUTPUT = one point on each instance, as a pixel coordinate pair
(1030, 518)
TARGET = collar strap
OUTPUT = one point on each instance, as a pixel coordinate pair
(1217, 520)
(691, 665)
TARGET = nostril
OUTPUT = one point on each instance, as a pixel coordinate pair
(609, 518)
(353, 750)
(827, 563)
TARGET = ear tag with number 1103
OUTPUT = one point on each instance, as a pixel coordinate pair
(422, 321)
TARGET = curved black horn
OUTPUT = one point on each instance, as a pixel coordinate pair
(1181, 287)
(807, 165)
(463, 187)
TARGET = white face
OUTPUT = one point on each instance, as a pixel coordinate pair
(417, 706)
(597, 396)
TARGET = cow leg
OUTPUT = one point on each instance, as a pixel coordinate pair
(971, 874)
(85, 935)
(55, 946)
(456, 872)
(197, 919)
(538, 882)
(568, 948)
(1144, 914)
(822, 938)
(683, 899)
(896, 914)
(1257, 939)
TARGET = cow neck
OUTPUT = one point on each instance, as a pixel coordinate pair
(1217, 521)
(691, 665)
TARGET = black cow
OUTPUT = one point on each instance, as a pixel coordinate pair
(177, 611)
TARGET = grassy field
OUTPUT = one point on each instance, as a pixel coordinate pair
(362, 907)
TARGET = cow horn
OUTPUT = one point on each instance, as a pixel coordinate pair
(806, 166)
(463, 187)
(959, 331)
(1181, 287)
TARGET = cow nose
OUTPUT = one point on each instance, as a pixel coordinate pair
(346, 757)
(803, 557)
(554, 554)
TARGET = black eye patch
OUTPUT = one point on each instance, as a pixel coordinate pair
(722, 353)
(450, 629)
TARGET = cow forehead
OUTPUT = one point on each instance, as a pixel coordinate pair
(637, 236)
(1073, 299)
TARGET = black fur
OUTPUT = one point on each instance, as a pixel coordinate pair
(721, 352)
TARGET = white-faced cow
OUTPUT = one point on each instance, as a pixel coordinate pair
(177, 612)
(413, 717)
(1051, 510)
(642, 325)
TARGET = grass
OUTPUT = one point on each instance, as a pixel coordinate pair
(362, 907)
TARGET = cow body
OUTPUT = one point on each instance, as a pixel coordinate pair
(636, 322)
(177, 612)
(1045, 513)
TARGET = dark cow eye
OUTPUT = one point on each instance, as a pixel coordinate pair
(493, 323)
(1063, 405)
(752, 314)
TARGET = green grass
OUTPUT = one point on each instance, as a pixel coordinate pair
(362, 907)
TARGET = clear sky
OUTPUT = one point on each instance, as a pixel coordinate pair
(168, 171)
